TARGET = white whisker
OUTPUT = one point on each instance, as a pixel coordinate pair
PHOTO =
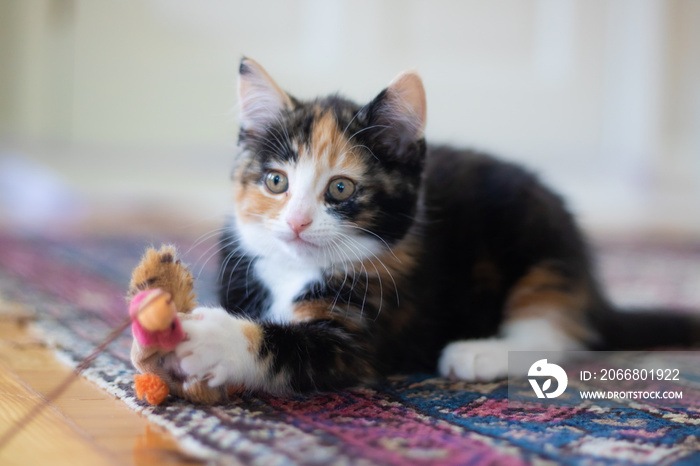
(362, 267)
(354, 225)
(391, 276)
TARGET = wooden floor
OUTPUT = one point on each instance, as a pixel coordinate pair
(84, 425)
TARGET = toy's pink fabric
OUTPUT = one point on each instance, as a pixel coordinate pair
(166, 339)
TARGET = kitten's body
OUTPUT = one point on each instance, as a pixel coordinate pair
(458, 263)
(354, 252)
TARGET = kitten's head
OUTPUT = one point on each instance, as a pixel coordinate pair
(326, 181)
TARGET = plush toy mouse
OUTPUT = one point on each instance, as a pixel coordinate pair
(161, 294)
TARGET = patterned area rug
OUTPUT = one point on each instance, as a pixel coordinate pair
(76, 289)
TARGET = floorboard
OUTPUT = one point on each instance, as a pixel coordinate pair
(84, 425)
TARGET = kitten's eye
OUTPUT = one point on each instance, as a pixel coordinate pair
(340, 189)
(276, 182)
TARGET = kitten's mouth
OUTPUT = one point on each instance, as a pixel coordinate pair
(299, 241)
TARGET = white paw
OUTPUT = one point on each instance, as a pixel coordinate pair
(216, 348)
(475, 360)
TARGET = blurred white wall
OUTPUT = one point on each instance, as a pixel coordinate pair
(601, 97)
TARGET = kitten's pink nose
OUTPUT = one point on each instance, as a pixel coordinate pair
(299, 223)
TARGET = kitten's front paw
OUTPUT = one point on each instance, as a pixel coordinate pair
(475, 360)
(220, 348)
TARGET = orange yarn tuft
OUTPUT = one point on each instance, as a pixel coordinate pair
(152, 387)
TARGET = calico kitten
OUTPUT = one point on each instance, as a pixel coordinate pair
(355, 250)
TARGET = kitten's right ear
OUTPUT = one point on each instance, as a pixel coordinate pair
(261, 99)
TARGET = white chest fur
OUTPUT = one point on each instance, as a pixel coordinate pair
(285, 280)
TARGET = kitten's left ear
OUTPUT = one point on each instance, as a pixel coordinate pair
(401, 109)
(261, 99)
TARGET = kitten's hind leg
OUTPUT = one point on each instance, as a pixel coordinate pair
(544, 312)
(486, 360)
